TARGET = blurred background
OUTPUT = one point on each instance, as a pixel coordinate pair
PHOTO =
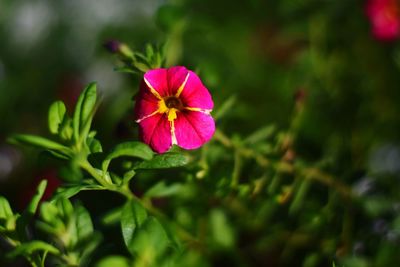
(324, 55)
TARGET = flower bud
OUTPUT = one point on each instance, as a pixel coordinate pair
(116, 47)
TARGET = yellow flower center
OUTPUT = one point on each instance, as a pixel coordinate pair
(170, 105)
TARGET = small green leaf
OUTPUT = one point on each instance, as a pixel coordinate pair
(260, 135)
(161, 189)
(27, 249)
(5, 209)
(114, 261)
(132, 217)
(128, 176)
(48, 211)
(88, 104)
(84, 111)
(39, 142)
(112, 217)
(377, 205)
(225, 107)
(150, 236)
(65, 208)
(141, 66)
(94, 145)
(87, 246)
(84, 225)
(65, 129)
(221, 230)
(56, 116)
(72, 190)
(164, 161)
(149, 51)
(125, 69)
(131, 149)
(33, 204)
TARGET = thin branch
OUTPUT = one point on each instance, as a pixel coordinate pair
(311, 173)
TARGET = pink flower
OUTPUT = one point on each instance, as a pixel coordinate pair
(385, 19)
(173, 108)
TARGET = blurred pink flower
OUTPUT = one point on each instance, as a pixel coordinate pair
(173, 108)
(385, 18)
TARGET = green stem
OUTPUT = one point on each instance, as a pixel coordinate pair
(236, 170)
(100, 177)
(285, 167)
(104, 179)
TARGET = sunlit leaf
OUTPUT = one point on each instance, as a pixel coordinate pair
(260, 135)
(132, 217)
(72, 190)
(33, 204)
(164, 161)
(161, 189)
(84, 111)
(5, 209)
(84, 225)
(40, 142)
(225, 107)
(114, 261)
(222, 232)
(56, 116)
(32, 246)
(128, 149)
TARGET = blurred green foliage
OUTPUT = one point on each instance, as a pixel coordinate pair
(304, 169)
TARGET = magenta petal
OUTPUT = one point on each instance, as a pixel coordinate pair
(384, 18)
(158, 79)
(156, 132)
(146, 103)
(176, 77)
(195, 94)
(193, 129)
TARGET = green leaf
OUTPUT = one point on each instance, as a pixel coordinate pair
(141, 66)
(112, 217)
(87, 246)
(29, 248)
(221, 230)
(125, 69)
(5, 209)
(94, 145)
(33, 204)
(65, 129)
(84, 225)
(56, 116)
(132, 217)
(114, 261)
(164, 161)
(260, 135)
(225, 107)
(72, 190)
(84, 111)
(161, 189)
(48, 211)
(131, 149)
(149, 51)
(150, 236)
(65, 208)
(40, 142)
(377, 205)
(128, 176)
